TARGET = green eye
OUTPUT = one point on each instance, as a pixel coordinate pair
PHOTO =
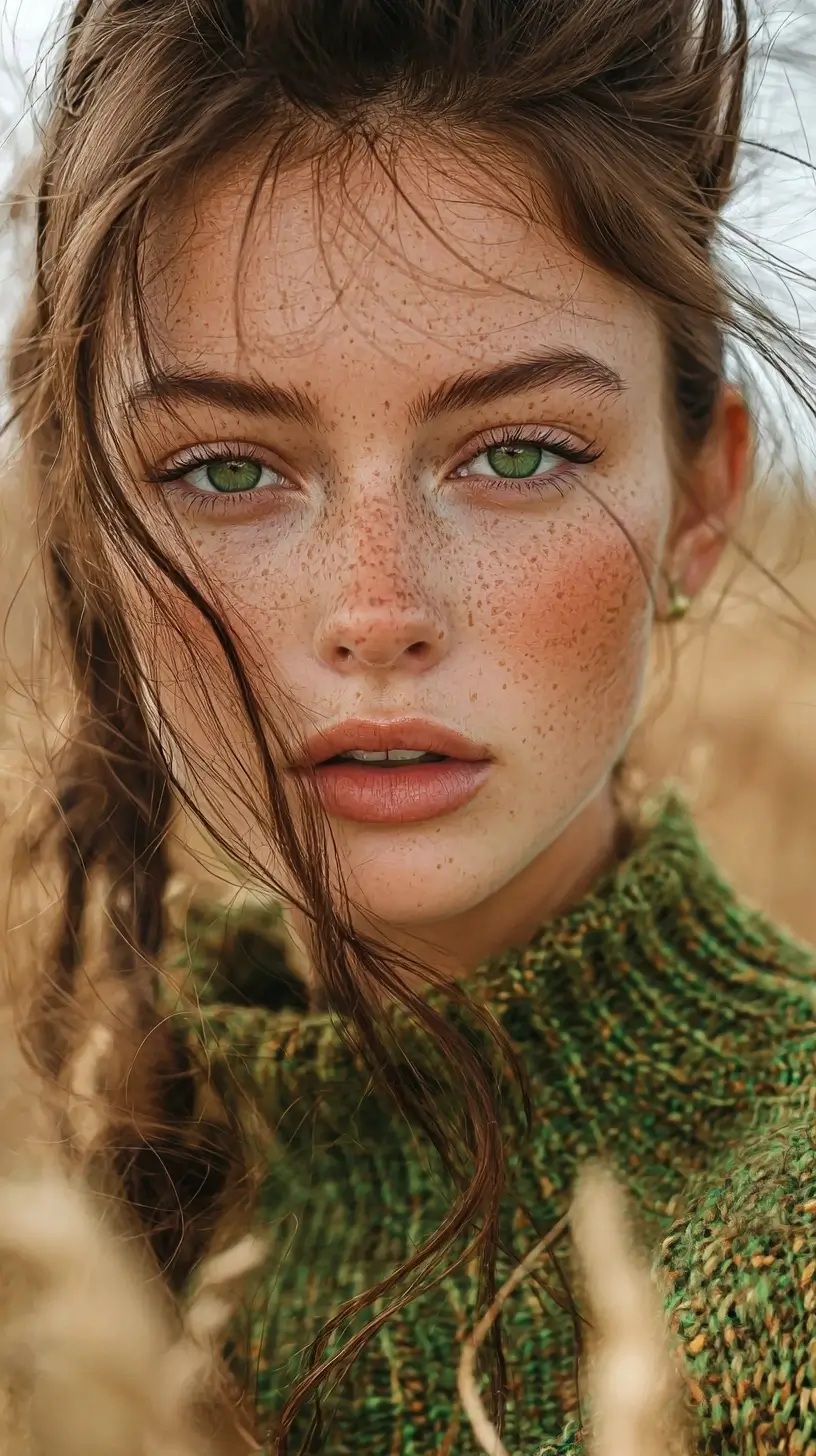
(515, 461)
(233, 476)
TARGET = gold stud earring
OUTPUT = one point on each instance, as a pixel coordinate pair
(679, 603)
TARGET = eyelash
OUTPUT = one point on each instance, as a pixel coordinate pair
(196, 459)
(547, 439)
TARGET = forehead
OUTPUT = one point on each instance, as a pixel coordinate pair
(418, 271)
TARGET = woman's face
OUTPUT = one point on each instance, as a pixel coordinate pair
(420, 452)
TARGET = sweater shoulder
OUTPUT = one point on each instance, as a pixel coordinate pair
(741, 1269)
(738, 1268)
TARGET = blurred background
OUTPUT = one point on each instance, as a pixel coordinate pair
(730, 709)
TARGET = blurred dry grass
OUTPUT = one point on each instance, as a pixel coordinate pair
(730, 711)
(731, 714)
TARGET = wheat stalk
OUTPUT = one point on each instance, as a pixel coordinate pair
(94, 1359)
(631, 1380)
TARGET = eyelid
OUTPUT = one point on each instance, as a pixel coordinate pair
(194, 456)
(552, 437)
(557, 439)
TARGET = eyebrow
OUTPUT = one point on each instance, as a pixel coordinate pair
(259, 397)
(519, 376)
(246, 396)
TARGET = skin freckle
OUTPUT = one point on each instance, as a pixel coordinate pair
(383, 584)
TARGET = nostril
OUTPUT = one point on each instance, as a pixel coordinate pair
(380, 645)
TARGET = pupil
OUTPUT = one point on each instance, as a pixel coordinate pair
(515, 460)
(233, 475)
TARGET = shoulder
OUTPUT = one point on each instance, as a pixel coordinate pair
(741, 1267)
(738, 1268)
(234, 951)
(229, 989)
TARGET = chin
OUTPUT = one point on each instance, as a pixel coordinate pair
(410, 892)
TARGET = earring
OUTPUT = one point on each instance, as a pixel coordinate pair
(679, 603)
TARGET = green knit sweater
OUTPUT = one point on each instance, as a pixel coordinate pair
(660, 1023)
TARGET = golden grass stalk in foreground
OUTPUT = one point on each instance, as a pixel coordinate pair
(630, 1381)
(88, 1361)
(93, 1361)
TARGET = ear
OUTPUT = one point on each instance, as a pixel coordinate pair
(710, 504)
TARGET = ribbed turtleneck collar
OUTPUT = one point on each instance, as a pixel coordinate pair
(664, 904)
(658, 992)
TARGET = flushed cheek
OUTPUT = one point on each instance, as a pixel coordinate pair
(574, 629)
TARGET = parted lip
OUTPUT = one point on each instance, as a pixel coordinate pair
(377, 734)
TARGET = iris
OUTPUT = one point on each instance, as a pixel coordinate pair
(230, 476)
(515, 460)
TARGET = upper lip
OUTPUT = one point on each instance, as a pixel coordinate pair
(378, 734)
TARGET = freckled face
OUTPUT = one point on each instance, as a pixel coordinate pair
(392, 541)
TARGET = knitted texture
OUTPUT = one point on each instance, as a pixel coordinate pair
(662, 1025)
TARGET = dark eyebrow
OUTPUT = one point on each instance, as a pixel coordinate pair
(259, 397)
(535, 371)
(247, 396)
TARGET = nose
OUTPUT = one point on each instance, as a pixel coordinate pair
(384, 615)
(377, 639)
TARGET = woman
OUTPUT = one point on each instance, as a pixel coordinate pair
(374, 391)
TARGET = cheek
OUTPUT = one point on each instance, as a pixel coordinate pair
(187, 675)
(574, 619)
(265, 580)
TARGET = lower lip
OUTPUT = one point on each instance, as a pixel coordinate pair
(406, 795)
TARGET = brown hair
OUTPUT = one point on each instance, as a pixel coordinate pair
(629, 113)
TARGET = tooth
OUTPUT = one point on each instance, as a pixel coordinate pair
(406, 755)
(363, 755)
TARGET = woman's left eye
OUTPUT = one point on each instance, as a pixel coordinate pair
(236, 475)
(514, 460)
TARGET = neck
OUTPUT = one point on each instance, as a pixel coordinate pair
(554, 881)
